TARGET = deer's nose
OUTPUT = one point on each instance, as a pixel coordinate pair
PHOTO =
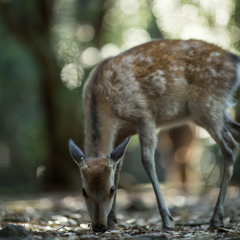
(99, 228)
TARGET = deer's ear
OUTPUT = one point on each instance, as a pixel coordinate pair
(118, 152)
(76, 152)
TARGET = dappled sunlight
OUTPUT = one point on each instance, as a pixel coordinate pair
(222, 16)
(65, 43)
(173, 18)
(40, 171)
(135, 36)
(54, 216)
(132, 18)
(231, 112)
(133, 144)
(90, 57)
(85, 33)
(109, 50)
(232, 191)
(73, 203)
(179, 201)
(123, 198)
(215, 175)
(130, 7)
(201, 133)
(203, 160)
(72, 75)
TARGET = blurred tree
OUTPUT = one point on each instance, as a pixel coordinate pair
(31, 23)
(95, 18)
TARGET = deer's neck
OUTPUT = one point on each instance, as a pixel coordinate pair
(100, 128)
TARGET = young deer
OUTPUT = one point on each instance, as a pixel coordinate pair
(153, 85)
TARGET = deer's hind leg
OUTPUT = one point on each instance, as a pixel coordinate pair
(228, 146)
(147, 137)
(233, 127)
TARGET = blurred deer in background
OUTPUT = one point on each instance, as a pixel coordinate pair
(176, 146)
(153, 85)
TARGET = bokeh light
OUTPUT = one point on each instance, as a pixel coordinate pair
(71, 75)
(222, 16)
(201, 133)
(90, 57)
(129, 7)
(173, 18)
(85, 33)
(135, 36)
(109, 50)
(215, 175)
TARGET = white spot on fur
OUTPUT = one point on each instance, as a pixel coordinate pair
(191, 53)
(215, 54)
(108, 74)
(129, 59)
(207, 105)
(172, 109)
(212, 55)
(160, 72)
(183, 80)
(162, 44)
(213, 72)
(191, 67)
(182, 68)
(184, 45)
(149, 60)
(160, 83)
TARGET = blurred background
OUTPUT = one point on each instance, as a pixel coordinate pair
(47, 50)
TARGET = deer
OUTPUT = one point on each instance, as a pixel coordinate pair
(162, 83)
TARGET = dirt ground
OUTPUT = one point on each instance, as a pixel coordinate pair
(64, 216)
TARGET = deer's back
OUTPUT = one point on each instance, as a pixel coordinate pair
(162, 79)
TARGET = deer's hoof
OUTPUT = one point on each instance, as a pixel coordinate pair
(167, 218)
(216, 218)
(166, 228)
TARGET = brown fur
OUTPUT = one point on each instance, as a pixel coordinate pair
(132, 90)
(157, 84)
(97, 174)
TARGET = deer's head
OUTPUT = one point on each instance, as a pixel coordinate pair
(98, 182)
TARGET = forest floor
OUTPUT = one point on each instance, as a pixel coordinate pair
(64, 216)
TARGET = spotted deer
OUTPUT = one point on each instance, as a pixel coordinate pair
(157, 84)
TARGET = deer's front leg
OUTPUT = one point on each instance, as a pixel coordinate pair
(112, 218)
(147, 138)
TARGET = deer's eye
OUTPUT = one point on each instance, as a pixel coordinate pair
(112, 190)
(84, 193)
